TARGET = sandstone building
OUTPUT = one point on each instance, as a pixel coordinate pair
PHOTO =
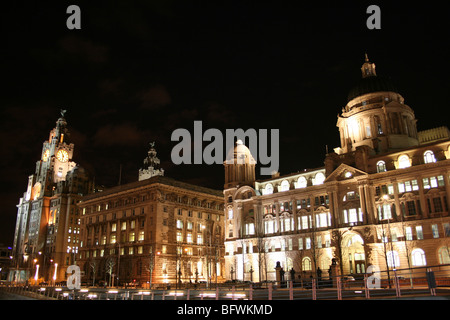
(382, 198)
(156, 230)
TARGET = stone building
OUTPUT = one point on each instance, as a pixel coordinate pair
(382, 198)
(156, 230)
(46, 237)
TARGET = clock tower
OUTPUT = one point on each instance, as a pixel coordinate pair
(45, 240)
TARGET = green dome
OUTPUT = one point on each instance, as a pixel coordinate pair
(369, 85)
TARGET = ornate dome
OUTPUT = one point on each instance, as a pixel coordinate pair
(370, 82)
(369, 85)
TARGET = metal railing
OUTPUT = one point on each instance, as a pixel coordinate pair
(387, 284)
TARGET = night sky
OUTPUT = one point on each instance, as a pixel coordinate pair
(138, 70)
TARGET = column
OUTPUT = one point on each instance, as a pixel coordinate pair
(423, 206)
(368, 200)
(362, 201)
(447, 187)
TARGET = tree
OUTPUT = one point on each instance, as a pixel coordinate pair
(93, 265)
(110, 263)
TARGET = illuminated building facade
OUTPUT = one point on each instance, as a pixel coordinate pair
(46, 237)
(382, 198)
(156, 230)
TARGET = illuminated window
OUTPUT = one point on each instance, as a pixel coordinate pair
(113, 227)
(141, 235)
(306, 264)
(393, 259)
(428, 157)
(131, 237)
(179, 236)
(268, 189)
(230, 214)
(419, 232)
(444, 255)
(112, 239)
(319, 178)
(250, 228)
(124, 226)
(418, 258)
(179, 224)
(301, 182)
(381, 166)
(189, 237)
(404, 162)
(284, 185)
(199, 239)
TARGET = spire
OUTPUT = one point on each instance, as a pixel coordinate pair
(368, 68)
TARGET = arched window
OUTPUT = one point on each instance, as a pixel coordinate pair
(444, 255)
(428, 157)
(404, 162)
(381, 166)
(268, 189)
(284, 185)
(301, 182)
(418, 258)
(319, 178)
(306, 264)
(392, 259)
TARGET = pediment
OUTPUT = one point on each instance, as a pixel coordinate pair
(345, 172)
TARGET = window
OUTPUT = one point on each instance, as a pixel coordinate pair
(131, 237)
(393, 259)
(308, 243)
(353, 215)
(113, 227)
(404, 162)
(306, 264)
(444, 255)
(381, 166)
(319, 178)
(301, 182)
(408, 232)
(230, 214)
(250, 228)
(179, 224)
(189, 237)
(284, 185)
(435, 230)
(323, 219)
(384, 211)
(141, 235)
(419, 232)
(179, 236)
(199, 239)
(268, 189)
(428, 157)
(437, 204)
(418, 258)
(112, 239)
(123, 226)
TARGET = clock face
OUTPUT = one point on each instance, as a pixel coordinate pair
(46, 155)
(62, 155)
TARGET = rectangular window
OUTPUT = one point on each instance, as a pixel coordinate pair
(179, 224)
(435, 230)
(437, 204)
(300, 244)
(411, 208)
(141, 235)
(426, 183)
(189, 237)
(419, 232)
(308, 243)
(433, 182)
(179, 236)
(408, 233)
(401, 187)
(415, 185)
(440, 181)
(304, 222)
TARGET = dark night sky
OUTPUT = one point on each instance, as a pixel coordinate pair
(137, 70)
